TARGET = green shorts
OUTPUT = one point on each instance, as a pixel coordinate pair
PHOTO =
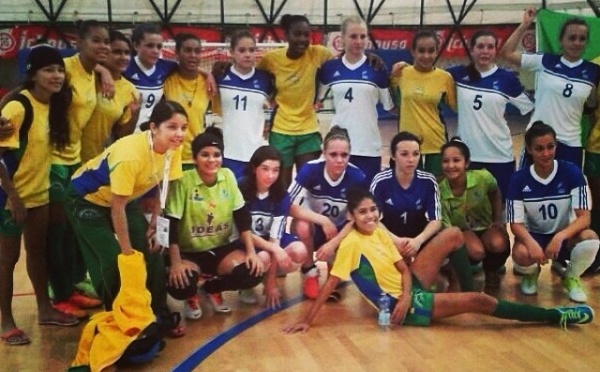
(431, 163)
(60, 179)
(7, 226)
(421, 306)
(290, 146)
(592, 164)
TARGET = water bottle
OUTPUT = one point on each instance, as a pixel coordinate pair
(383, 304)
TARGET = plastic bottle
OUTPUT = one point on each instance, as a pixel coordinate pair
(383, 304)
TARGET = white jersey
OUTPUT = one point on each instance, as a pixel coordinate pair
(243, 99)
(356, 90)
(315, 190)
(547, 206)
(481, 108)
(150, 83)
(561, 90)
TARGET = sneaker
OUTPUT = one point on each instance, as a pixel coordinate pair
(559, 268)
(529, 283)
(311, 286)
(217, 303)
(193, 310)
(83, 301)
(492, 281)
(87, 289)
(581, 314)
(575, 289)
(68, 308)
(248, 297)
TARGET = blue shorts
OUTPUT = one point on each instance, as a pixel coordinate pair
(502, 172)
(370, 165)
(237, 167)
(544, 239)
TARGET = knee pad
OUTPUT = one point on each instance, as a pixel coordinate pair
(243, 279)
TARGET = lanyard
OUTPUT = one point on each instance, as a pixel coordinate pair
(165, 180)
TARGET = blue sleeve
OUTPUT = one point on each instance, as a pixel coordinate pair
(382, 78)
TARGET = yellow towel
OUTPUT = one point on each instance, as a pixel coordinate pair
(109, 333)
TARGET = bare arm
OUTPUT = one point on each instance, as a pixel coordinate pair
(15, 204)
(509, 49)
(304, 324)
(399, 312)
(497, 209)
(119, 220)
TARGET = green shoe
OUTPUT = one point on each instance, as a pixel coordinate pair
(87, 289)
(575, 289)
(581, 314)
(529, 283)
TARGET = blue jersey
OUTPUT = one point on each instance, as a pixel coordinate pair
(547, 206)
(356, 90)
(481, 107)
(406, 212)
(315, 190)
(150, 83)
(561, 90)
(269, 216)
(242, 101)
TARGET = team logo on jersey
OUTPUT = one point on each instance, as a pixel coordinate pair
(343, 193)
(495, 85)
(526, 189)
(336, 74)
(560, 188)
(389, 202)
(256, 84)
(584, 74)
(196, 196)
(87, 214)
(135, 77)
(418, 204)
(294, 78)
(365, 75)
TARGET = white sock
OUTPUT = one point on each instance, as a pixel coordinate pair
(582, 256)
(529, 270)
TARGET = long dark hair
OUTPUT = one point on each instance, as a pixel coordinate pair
(248, 184)
(472, 72)
(58, 112)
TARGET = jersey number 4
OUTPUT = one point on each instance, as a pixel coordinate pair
(348, 95)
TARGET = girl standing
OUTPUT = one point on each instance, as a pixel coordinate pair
(423, 87)
(243, 95)
(116, 117)
(483, 91)
(295, 133)
(563, 82)
(357, 87)
(187, 86)
(24, 175)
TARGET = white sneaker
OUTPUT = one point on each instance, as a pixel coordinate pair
(575, 289)
(529, 283)
(248, 297)
(193, 310)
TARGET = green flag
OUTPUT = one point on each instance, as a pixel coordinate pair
(548, 28)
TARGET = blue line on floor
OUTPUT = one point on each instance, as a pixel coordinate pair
(209, 347)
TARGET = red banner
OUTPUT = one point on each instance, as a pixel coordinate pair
(19, 37)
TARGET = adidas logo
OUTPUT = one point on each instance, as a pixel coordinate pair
(318, 188)
(526, 189)
(557, 65)
(336, 74)
(466, 78)
(135, 77)
(389, 202)
(227, 78)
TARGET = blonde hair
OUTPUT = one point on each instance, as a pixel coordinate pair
(351, 20)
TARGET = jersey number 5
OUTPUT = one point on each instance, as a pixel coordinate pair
(477, 103)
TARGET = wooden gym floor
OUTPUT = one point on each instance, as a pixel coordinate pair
(344, 337)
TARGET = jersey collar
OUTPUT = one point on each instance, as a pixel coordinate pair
(570, 64)
(147, 71)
